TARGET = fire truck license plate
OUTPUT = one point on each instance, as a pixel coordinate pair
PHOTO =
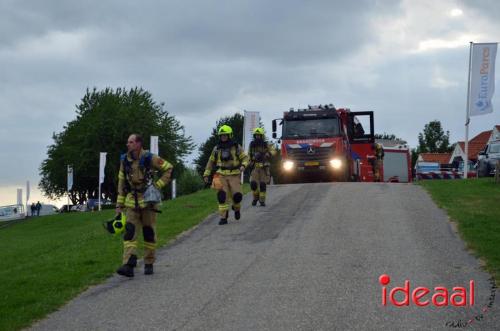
(311, 163)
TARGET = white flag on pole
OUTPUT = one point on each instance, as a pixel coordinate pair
(154, 145)
(102, 165)
(250, 122)
(27, 190)
(70, 178)
(19, 196)
(482, 78)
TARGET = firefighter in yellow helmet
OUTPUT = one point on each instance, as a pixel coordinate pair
(134, 178)
(228, 160)
(378, 162)
(260, 153)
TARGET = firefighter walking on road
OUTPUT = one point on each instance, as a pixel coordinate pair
(228, 160)
(260, 153)
(135, 181)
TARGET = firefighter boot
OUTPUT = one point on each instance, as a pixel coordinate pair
(148, 269)
(127, 269)
(237, 197)
(262, 194)
(255, 192)
(224, 220)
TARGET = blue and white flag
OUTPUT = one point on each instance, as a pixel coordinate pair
(482, 78)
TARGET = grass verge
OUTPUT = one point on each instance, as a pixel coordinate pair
(51, 259)
(474, 204)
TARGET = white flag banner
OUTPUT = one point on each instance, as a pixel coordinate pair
(70, 178)
(154, 145)
(482, 78)
(102, 165)
(19, 196)
(27, 190)
(250, 122)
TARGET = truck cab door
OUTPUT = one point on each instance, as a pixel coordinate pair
(360, 127)
(361, 134)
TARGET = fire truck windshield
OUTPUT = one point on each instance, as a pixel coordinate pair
(305, 128)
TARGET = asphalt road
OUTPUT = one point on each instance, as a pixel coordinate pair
(310, 260)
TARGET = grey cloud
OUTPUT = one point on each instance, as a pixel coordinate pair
(206, 59)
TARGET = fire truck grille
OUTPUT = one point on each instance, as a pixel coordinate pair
(305, 154)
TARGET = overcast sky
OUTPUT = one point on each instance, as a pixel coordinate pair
(405, 60)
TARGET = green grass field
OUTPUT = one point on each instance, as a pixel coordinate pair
(474, 204)
(46, 261)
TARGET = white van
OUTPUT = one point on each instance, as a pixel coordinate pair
(48, 210)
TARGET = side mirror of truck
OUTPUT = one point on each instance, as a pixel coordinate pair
(274, 128)
(274, 135)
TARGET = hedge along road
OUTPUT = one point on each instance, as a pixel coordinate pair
(309, 260)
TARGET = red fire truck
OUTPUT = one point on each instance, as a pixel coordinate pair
(328, 143)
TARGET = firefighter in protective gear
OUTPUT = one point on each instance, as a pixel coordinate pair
(136, 173)
(378, 162)
(260, 153)
(228, 160)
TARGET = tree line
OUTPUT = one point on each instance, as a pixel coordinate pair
(105, 119)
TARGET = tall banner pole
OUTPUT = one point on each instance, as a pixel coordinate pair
(154, 145)
(467, 118)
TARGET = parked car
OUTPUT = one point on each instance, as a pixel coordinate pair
(64, 208)
(79, 208)
(93, 204)
(488, 159)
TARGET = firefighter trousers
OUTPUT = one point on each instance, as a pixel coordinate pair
(378, 165)
(259, 179)
(229, 188)
(140, 220)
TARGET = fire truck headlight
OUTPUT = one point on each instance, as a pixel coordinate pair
(288, 165)
(336, 163)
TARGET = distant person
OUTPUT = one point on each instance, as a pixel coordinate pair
(134, 176)
(38, 208)
(378, 164)
(260, 153)
(33, 209)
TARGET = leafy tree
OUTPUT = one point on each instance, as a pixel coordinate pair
(205, 149)
(189, 181)
(433, 139)
(104, 120)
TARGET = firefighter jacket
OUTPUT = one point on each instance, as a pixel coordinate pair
(226, 158)
(260, 153)
(134, 176)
